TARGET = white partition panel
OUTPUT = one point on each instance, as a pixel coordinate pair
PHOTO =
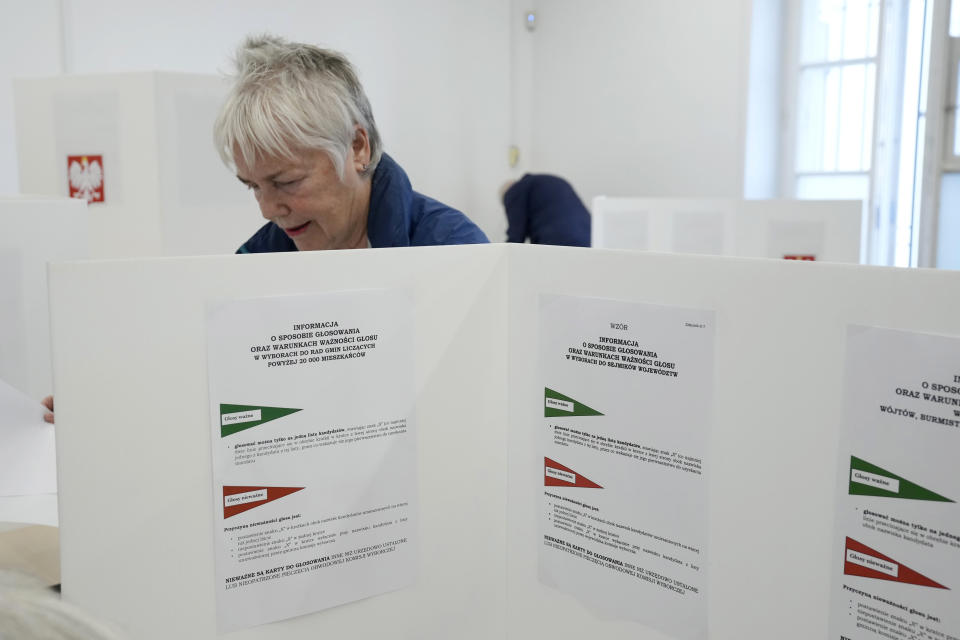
(134, 446)
(158, 187)
(825, 230)
(658, 224)
(778, 407)
(130, 364)
(33, 231)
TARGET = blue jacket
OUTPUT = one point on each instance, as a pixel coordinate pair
(398, 217)
(547, 210)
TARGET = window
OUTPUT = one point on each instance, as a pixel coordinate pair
(837, 81)
(853, 102)
(952, 159)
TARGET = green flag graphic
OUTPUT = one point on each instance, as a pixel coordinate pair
(239, 417)
(557, 405)
(870, 480)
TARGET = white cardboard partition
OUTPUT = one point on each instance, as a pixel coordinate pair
(165, 191)
(33, 231)
(130, 362)
(142, 513)
(825, 230)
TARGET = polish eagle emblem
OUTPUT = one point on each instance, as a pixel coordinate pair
(86, 177)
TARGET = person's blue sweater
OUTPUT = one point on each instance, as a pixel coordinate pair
(547, 210)
(398, 217)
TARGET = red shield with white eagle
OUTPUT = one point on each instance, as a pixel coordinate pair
(85, 175)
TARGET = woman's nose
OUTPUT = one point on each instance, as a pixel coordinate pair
(271, 204)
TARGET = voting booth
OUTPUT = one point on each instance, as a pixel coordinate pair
(826, 230)
(506, 441)
(33, 231)
(138, 147)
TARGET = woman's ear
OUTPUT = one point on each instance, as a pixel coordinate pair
(361, 149)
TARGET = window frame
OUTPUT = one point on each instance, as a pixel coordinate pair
(951, 108)
(935, 133)
(879, 237)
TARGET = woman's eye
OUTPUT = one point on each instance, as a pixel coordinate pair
(285, 183)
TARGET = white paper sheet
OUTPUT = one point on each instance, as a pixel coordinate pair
(314, 469)
(897, 531)
(28, 457)
(628, 396)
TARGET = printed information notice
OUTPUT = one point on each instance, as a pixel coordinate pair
(627, 405)
(313, 444)
(897, 536)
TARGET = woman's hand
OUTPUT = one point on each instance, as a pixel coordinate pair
(48, 403)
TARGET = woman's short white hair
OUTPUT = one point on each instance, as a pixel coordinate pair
(288, 96)
(29, 611)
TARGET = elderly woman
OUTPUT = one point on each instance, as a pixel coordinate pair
(298, 128)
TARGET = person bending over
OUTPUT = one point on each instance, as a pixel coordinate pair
(546, 210)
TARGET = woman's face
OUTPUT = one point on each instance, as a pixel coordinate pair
(307, 199)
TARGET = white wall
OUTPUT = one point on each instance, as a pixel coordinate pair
(621, 97)
(641, 98)
(29, 46)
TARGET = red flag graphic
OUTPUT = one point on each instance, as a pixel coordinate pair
(557, 475)
(861, 560)
(239, 499)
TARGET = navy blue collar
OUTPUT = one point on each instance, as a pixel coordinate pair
(389, 216)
